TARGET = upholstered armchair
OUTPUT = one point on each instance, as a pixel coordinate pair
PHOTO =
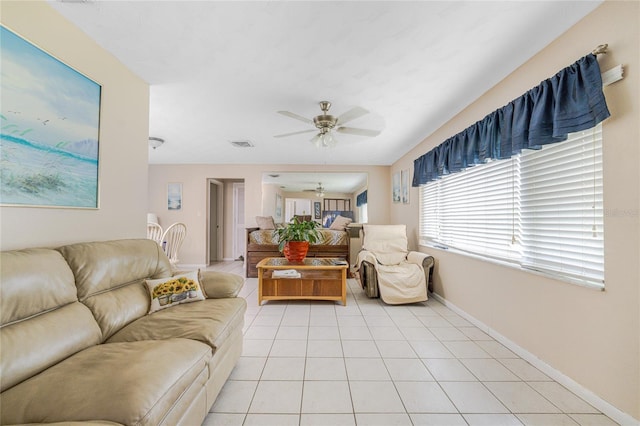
(389, 270)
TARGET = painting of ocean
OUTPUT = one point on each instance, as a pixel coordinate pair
(49, 126)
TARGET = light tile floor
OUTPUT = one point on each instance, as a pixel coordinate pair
(367, 363)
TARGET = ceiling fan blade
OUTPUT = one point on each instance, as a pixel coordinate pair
(360, 132)
(284, 135)
(352, 114)
(295, 116)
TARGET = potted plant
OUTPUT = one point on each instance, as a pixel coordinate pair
(295, 237)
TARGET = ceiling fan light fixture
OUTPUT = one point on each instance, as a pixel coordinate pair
(155, 142)
(326, 123)
(244, 143)
(319, 190)
(324, 139)
(327, 140)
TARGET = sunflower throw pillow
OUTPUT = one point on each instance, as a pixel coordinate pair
(167, 292)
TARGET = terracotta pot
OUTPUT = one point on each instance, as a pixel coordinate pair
(296, 251)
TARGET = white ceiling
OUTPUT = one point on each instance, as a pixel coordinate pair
(219, 71)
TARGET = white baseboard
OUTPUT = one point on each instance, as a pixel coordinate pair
(606, 408)
(190, 267)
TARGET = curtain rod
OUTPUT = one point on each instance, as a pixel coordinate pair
(614, 74)
(602, 48)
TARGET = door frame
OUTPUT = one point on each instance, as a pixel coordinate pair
(234, 225)
(220, 216)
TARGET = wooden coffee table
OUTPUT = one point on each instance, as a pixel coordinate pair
(320, 279)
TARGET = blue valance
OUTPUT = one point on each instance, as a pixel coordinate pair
(361, 199)
(570, 101)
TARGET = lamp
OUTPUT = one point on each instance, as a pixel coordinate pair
(155, 142)
(319, 190)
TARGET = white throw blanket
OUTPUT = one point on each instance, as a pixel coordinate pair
(400, 283)
(403, 283)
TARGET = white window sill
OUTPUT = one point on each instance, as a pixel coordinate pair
(593, 285)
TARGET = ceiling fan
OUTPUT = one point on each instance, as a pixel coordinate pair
(325, 123)
(319, 190)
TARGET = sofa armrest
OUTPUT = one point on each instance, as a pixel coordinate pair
(219, 285)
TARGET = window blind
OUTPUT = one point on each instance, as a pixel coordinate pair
(473, 209)
(562, 207)
(541, 209)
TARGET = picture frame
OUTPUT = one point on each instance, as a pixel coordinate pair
(404, 185)
(278, 210)
(317, 210)
(49, 143)
(174, 196)
(396, 188)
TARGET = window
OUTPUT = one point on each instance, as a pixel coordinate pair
(362, 214)
(541, 210)
(361, 203)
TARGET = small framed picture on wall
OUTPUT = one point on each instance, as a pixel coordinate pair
(316, 210)
(396, 188)
(174, 196)
(278, 210)
(404, 184)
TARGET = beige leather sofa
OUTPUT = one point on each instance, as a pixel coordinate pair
(77, 343)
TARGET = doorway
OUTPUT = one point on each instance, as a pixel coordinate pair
(215, 220)
(296, 206)
(225, 220)
(239, 243)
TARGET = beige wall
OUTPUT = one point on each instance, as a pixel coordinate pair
(194, 204)
(590, 336)
(124, 123)
(269, 192)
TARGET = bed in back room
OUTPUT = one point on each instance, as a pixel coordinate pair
(262, 243)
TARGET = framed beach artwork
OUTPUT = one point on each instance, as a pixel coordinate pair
(396, 188)
(50, 117)
(404, 185)
(278, 211)
(174, 196)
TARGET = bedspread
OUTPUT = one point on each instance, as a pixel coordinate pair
(329, 237)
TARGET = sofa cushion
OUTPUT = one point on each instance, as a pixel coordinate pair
(42, 320)
(110, 278)
(210, 321)
(29, 347)
(150, 377)
(33, 281)
(167, 292)
(217, 285)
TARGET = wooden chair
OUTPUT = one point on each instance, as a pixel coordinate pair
(172, 240)
(154, 232)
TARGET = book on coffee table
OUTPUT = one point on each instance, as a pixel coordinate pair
(285, 273)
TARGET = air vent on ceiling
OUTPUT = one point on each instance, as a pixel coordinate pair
(242, 144)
